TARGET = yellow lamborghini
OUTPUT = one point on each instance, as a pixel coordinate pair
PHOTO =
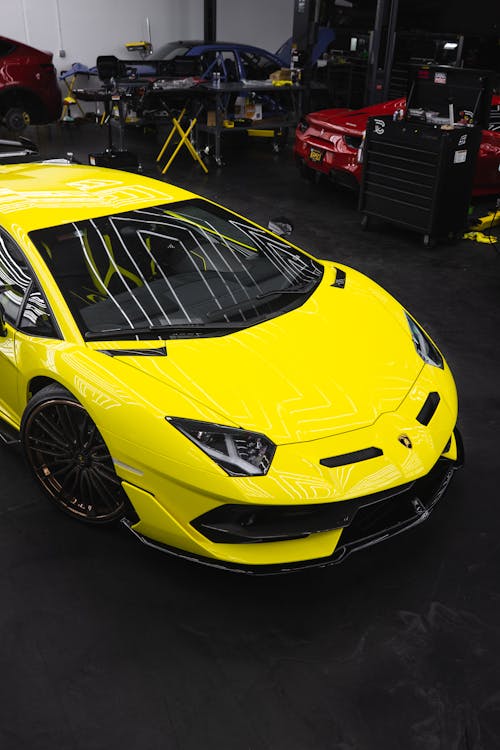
(169, 364)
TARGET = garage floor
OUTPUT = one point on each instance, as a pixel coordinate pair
(106, 644)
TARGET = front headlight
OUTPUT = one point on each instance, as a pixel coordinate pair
(239, 452)
(424, 346)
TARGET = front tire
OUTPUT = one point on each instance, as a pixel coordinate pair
(69, 457)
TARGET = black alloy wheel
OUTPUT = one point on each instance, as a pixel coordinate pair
(69, 457)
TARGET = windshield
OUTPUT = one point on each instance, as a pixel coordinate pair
(171, 50)
(187, 264)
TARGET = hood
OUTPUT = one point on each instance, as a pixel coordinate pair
(331, 366)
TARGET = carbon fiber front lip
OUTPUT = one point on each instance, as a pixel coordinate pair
(341, 553)
(423, 509)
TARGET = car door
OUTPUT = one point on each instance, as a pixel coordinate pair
(15, 279)
(25, 313)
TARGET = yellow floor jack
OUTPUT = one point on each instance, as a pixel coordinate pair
(480, 228)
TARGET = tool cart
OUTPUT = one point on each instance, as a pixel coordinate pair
(418, 166)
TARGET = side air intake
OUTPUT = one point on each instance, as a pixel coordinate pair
(429, 408)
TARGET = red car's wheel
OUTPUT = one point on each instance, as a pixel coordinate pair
(16, 119)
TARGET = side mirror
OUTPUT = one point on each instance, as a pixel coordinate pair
(280, 226)
(3, 327)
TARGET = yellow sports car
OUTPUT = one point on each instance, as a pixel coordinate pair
(231, 399)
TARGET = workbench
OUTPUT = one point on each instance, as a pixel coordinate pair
(203, 97)
(161, 101)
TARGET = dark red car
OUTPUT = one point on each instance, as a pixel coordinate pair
(29, 90)
(329, 142)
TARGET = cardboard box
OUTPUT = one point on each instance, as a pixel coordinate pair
(211, 118)
(283, 74)
(247, 109)
(253, 111)
(239, 106)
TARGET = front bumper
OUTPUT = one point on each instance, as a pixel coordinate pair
(368, 520)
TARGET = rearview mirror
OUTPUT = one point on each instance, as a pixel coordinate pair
(280, 226)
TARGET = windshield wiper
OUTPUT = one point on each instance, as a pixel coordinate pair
(247, 304)
(165, 331)
(299, 289)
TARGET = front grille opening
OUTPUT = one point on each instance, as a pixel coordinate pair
(362, 519)
(390, 515)
(376, 519)
(429, 408)
(241, 524)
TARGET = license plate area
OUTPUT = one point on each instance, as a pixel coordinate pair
(316, 155)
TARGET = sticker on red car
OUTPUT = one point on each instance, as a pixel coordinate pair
(316, 155)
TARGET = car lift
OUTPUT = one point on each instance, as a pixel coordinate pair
(381, 50)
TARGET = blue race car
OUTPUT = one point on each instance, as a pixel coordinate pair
(235, 62)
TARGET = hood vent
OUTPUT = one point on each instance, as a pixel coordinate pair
(339, 278)
(160, 351)
(351, 458)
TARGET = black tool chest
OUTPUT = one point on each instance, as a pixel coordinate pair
(419, 165)
(419, 176)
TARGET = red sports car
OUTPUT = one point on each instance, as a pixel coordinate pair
(29, 91)
(329, 142)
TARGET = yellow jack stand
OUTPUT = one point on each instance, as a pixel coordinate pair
(69, 100)
(66, 115)
(184, 141)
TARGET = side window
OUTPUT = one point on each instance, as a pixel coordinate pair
(36, 319)
(230, 70)
(222, 61)
(208, 63)
(6, 47)
(15, 283)
(15, 278)
(257, 67)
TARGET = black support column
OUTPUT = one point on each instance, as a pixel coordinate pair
(305, 26)
(381, 53)
(210, 20)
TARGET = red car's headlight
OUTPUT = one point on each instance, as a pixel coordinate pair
(353, 141)
(302, 125)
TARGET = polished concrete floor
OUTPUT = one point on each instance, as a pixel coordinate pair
(107, 645)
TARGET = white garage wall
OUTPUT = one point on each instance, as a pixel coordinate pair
(265, 23)
(95, 27)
